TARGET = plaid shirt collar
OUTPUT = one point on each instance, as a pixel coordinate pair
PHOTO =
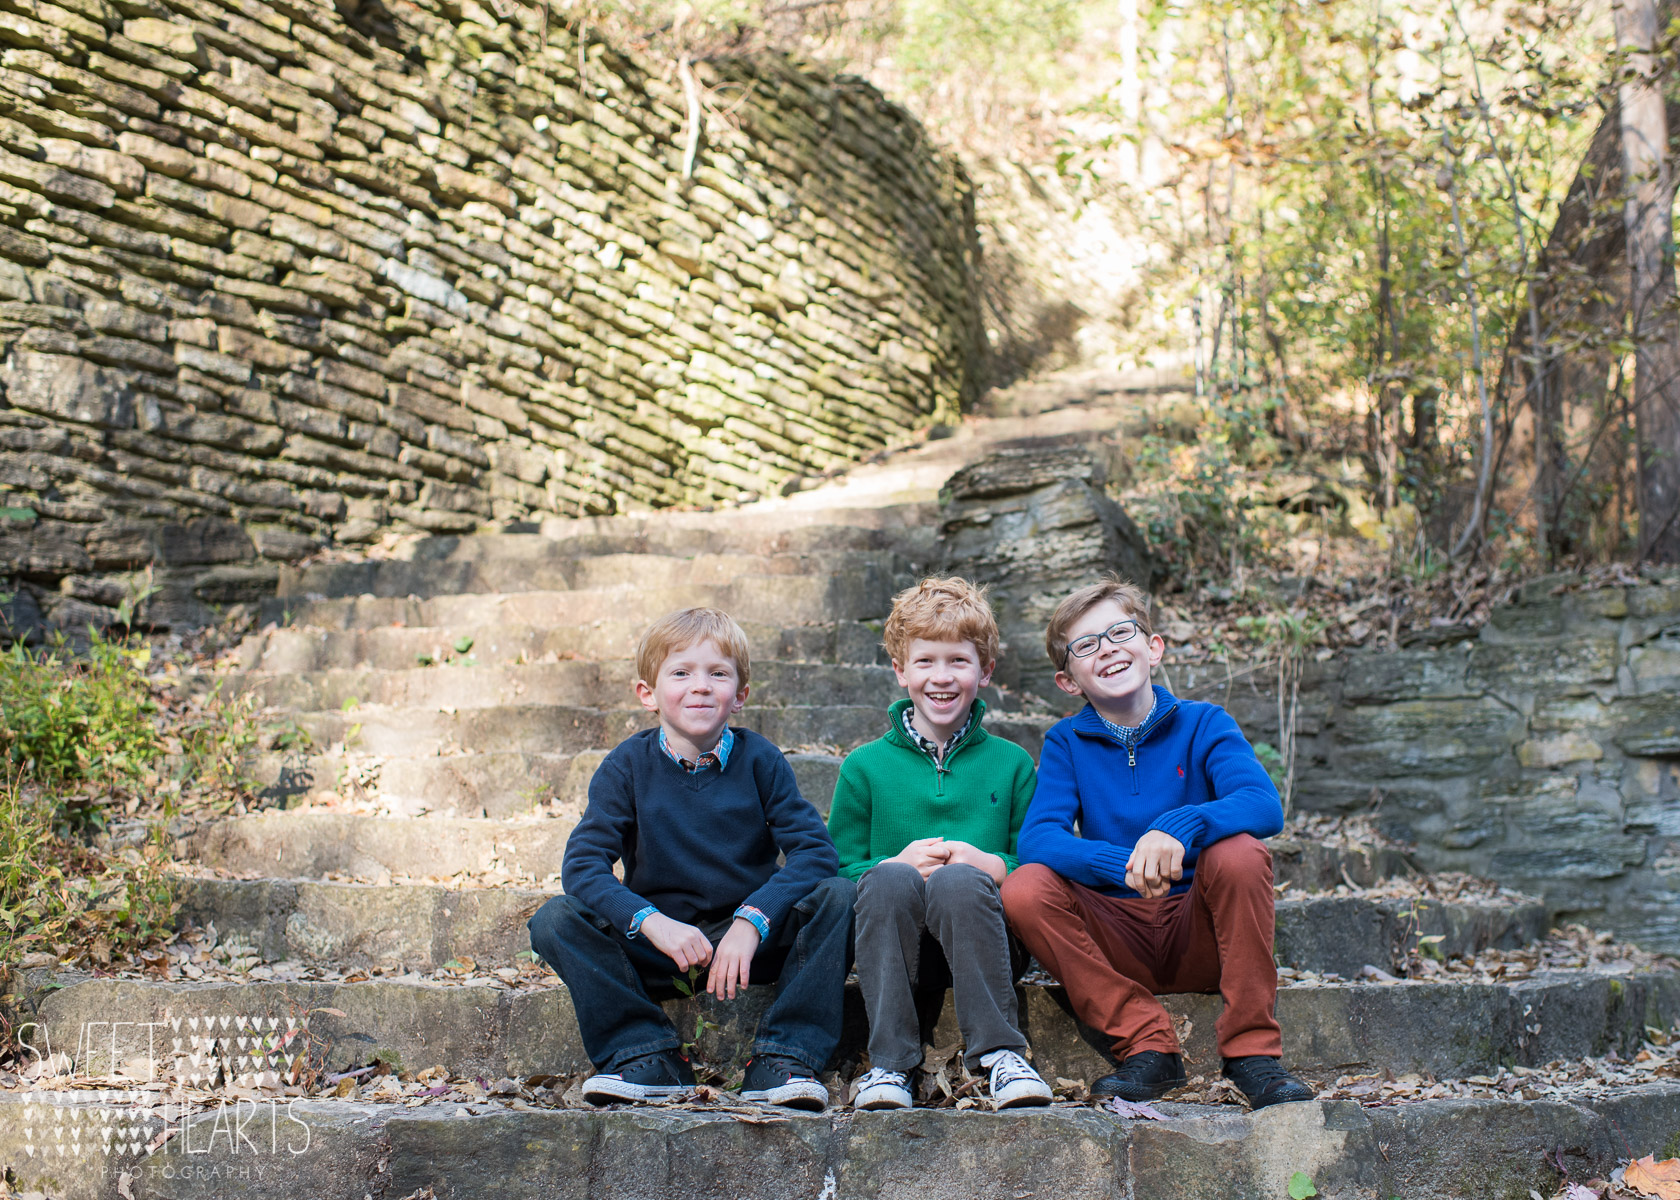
(717, 756)
(928, 745)
(1129, 734)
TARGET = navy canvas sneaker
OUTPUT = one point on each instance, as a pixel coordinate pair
(778, 1079)
(657, 1076)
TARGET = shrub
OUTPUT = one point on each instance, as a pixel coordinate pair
(67, 721)
(78, 737)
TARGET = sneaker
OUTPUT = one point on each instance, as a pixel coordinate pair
(879, 1088)
(1146, 1075)
(778, 1079)
(1264, 1081)
(1014, 1083)
(657, 1076)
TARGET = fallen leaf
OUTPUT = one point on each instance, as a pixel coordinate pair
(1651, 1178)
(1132, 1112)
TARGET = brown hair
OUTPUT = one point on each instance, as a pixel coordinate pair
(685, 627)
(1133, 599)
(942, 610)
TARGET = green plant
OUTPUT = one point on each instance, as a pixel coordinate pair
(701, 1027)
(686, 986)
(1272, 759)
(136, 594)
(216, 746)
(289, 737)
(1301, 1186)
(61, 897)
(66, 720)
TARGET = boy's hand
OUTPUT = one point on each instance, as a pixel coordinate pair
(973, 856)
(927, 855)
(732, 964)
(682, 944)
(1157, 862)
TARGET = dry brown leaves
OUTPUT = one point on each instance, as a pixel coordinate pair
(1651, 1178)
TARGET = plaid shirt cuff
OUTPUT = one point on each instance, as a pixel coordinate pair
(636, 921)
(757, 919)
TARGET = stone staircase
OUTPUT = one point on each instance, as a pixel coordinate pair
(437, 716)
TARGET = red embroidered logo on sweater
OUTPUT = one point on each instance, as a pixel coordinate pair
(1181, 771)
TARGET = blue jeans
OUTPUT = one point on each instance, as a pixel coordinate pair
(616, 981)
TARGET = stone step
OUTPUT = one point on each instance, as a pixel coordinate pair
(497, 784)
(563, 729)
(576, 683)
(347, 1150)
(401, 648)
(765, 599)
(480, 1029)
(506, 783)
(769, 528)
(422, 927)
(311, 844)
(515, 563)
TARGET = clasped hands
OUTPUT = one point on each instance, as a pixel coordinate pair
(685, 945)
(1157, 862)
(927, 855)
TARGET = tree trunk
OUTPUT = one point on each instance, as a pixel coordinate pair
(1582, 288)
(1649, 218)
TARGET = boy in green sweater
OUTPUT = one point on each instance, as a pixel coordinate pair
(925, 819)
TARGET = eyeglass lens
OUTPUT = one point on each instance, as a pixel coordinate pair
(1118, 632)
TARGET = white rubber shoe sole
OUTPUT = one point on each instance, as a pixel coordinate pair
(610, 1089)
(805, 1094)
(882, 1096)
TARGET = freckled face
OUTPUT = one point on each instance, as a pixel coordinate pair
(697, 690)
(942, 678)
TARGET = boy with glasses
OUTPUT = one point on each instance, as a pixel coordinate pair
(1167, 886)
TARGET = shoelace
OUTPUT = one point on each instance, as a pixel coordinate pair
(1009, 1067)
(783, 1067)
(879, 1075)
(1264, 1074)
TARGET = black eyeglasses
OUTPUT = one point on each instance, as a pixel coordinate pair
(1084, 647)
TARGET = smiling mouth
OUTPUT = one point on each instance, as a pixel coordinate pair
(1111, 672)
(940, 697)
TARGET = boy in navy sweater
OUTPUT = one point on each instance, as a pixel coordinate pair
(1166, 887)
(697, 812)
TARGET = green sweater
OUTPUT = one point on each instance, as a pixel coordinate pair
(891, 792)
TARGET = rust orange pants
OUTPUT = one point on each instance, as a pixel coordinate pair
(1115, 955)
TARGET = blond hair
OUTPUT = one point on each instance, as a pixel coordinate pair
(1131, 598)
(685, 627)
(942, 610)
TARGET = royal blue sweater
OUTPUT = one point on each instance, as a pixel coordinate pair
(1193, 775)
(696, 846)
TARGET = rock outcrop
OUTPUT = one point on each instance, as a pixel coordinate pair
(1542, 750)
(1034, 522)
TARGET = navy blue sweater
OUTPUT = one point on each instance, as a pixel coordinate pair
(696, 846)
(1193, 775)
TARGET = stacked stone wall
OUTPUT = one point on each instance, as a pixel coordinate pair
(1542, 751)
(276, 274)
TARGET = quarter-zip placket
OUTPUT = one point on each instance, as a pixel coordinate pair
(942, 769)
(1131, 747)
